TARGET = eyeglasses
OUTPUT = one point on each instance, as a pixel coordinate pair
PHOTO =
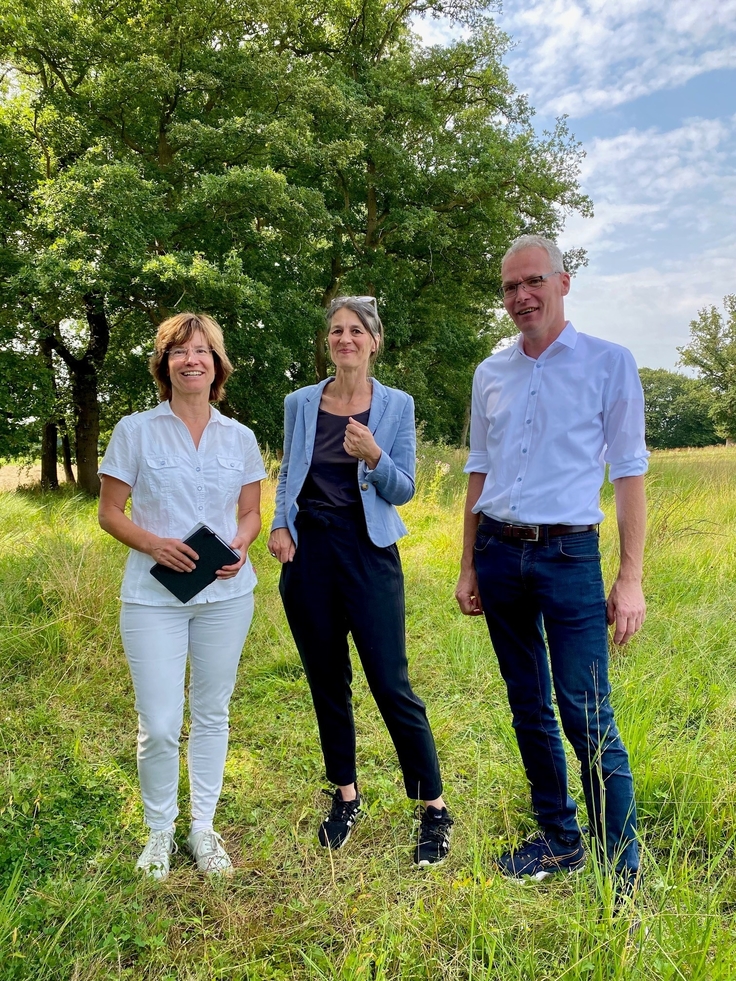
(531, 285)
(179, 353)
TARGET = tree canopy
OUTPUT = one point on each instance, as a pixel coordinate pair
(255, 160)
(678, 410)
(712, 352)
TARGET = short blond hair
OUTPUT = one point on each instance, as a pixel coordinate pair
(178, 330)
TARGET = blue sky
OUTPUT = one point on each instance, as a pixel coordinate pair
(649, 88)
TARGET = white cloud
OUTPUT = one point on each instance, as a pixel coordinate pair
(662, 243)
(576, 56)
(646, 182)
(649, 309)
(437, 30)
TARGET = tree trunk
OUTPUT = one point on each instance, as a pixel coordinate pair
(83, 375)
(320, 339)
(466, 427)
(320, 354)
(87, 426)
(66, 455)
(49, 475)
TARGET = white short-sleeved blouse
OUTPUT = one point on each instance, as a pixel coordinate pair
(175, 487)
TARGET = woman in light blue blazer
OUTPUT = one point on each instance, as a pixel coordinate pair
(349, 459)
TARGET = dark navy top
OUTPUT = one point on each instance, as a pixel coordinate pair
(332, 481)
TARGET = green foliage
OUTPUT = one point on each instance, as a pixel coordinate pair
(712, 352)
(252, 160)
(70, 815)
(678, 410)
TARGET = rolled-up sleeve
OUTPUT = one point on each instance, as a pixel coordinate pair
(623, 419)
(478, 457)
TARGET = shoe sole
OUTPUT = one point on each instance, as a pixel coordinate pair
(158, 875)
(425, 862)
(539, 876)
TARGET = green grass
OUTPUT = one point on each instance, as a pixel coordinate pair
(71, 827)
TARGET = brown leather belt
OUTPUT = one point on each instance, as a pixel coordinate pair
(531, 533)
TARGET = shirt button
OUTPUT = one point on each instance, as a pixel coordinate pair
(528, 421)
(523, 451)
(232, 464)
(201, 508)
(199, 487)
(518, 480)
(198, 469)
(364, 486)
(534, 392)
(513, 507)
(537, 366)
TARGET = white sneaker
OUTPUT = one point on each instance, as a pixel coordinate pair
(208, 851)
(156, 856)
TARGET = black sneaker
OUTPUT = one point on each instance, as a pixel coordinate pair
(434, 836)
(336, 827)
(541, 856)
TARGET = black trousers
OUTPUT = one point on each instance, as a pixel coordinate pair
(341, 582)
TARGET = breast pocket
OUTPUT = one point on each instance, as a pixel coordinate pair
(161, 471)
(230, 473)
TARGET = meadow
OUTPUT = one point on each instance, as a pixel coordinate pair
(72, 907)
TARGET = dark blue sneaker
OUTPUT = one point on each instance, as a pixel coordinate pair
(626, 884)
(336, 827)
(541, 856)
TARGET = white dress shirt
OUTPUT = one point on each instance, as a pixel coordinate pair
(543, 430)
(175, 487)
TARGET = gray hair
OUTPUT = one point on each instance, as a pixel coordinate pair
(366, 309)
(537, 242)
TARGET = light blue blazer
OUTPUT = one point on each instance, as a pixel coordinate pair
(391, 420)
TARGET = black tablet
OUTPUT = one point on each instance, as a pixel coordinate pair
(213, 555)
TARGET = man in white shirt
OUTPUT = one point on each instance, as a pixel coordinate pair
(548, 413)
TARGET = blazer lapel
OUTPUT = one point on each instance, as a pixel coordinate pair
(379, 401)
(311, 410)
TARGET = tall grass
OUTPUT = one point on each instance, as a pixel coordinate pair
(71, 823)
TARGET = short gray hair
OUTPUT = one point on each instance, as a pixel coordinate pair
(366, 309)
(537, 242)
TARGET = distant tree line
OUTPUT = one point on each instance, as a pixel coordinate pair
(677, 410)
(253, 159)
(685, 411)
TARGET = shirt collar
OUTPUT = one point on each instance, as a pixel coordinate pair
(164, 409)
(568, 338)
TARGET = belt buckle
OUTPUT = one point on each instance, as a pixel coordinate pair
(525, 533)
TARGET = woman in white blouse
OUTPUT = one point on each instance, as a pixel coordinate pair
(183, 463)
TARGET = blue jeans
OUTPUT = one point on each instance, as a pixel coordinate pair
(555, 587)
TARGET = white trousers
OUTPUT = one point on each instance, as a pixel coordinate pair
(157, 640)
